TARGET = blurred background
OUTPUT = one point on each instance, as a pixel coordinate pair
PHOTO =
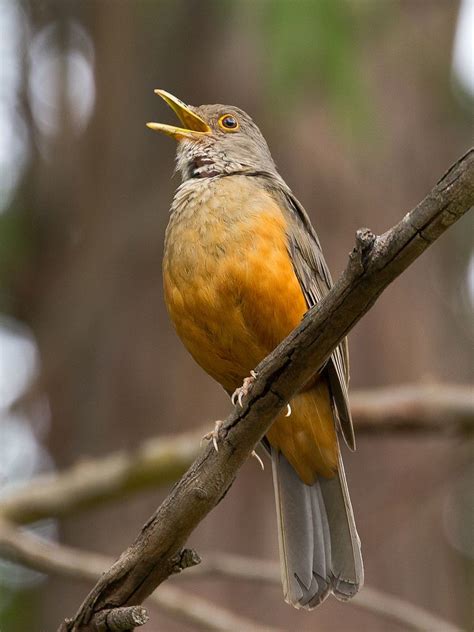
(365, 104)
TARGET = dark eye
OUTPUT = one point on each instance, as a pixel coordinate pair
(228, 123)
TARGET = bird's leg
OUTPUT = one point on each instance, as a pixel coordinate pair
(214, 434)
(242, 391)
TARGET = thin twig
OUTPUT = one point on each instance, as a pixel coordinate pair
(434, 408)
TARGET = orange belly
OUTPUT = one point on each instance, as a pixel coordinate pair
(308, 437)
(232, 295)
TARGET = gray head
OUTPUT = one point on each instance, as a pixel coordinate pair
(215, 140)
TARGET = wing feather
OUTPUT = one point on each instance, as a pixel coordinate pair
(315, 280)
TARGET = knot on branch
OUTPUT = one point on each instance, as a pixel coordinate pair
(365, 242)
(120, 619)
(184, 559)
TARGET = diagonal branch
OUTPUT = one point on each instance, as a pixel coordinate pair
(373, 265)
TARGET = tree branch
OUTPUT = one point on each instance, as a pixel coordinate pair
(435, 408)
(157, 461)
(373, 264)
(414, 408)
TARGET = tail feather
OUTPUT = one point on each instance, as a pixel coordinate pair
(319, 545)
(347, 563)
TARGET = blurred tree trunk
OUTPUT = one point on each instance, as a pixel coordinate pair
(113, 369)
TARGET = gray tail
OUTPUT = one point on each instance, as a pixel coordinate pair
(319, 546)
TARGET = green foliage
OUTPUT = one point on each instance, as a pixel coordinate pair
(18, 609)
(15, 251)
(311, 49)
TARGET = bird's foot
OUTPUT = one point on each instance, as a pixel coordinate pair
(242, 391)
(214, 435)
(254, 454)
(288, 410)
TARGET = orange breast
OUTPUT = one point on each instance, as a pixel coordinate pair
(232, 295)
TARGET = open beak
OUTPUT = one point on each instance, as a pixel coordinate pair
(194, 127)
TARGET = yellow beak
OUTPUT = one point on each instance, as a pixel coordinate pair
(194, 126)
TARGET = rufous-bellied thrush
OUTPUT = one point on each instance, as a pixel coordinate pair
(242, 264)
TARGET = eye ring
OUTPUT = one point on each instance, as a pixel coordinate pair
(228, 123)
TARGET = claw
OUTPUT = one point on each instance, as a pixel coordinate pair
(288, 410)
(254, 454)
(213, 435)
(239, 393)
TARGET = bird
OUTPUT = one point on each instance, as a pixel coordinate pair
(242, 264)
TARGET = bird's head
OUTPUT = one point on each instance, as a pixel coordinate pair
(215, 140)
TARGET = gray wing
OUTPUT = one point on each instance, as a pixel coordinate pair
(315, 280)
